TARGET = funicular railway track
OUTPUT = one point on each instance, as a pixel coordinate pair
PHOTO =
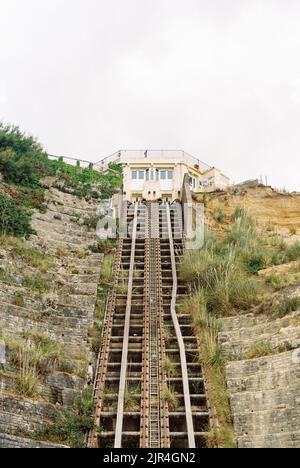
(149, 388)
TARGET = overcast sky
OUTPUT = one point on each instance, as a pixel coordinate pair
(218, 78)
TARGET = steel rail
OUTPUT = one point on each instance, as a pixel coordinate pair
(144, 432)
(102, 363)
(124, 363)
(164, 407)
(155, 351)
(184, 370)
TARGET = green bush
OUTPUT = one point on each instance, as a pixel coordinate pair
(22, 158)
(259, 349)
(292, 252)
(71, 424)
(24, 162)
(36, 283)
(255, 260)
(219, 216)
(32, 198)
(286, 306)
(14, 221)
(223, 267)
(91, 222)
(239, 212)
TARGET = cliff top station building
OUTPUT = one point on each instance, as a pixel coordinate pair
(159, 174)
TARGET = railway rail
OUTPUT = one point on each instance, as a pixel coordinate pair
(149, 389)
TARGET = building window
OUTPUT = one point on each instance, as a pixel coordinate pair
(166, 175)
(138, 175)
(192, 182)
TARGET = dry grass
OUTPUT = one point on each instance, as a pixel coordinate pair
(171, 398)
(131, 399)
(170, 367)
(106, 269)
(61, 251)
(28, 379)
(259, 349)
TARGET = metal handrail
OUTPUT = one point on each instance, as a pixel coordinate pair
(150, 153)
(67, 158)
(131, 153)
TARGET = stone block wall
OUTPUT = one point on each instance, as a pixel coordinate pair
(13, 442)
(264, 391)
(65, 313)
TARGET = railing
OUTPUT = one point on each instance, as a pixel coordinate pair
(123, 156)
(73, 161)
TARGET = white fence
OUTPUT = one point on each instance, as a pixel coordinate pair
(72, 161)
(123, 156)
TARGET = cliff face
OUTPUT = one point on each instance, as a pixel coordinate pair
(48, 294)
(261, 345)
(269, 207)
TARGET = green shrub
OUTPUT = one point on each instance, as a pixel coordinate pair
(32, 198)
(22, 158)
(39, 352)
(270, 227)
(14, 221)
(259, 349)
(277, 281)
(255, 260)
(131, 398)
(27, 381)
(170, 397)
(23, 162)
(292, 252)
(104, 246)
(244, 293)
(219, 216)
(32, 256)
(286, 306)
(243, 233)
(19, 299)
(91, 222)
(71, 424)
(36, 282)
(238, 213)
(35, 355)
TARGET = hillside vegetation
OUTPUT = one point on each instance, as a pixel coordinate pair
(245, 263)
(24, 162)
(51, 314)
(24, 165)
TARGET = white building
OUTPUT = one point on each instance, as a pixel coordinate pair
(159, 174)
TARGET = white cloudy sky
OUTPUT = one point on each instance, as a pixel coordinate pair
(218, 78)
